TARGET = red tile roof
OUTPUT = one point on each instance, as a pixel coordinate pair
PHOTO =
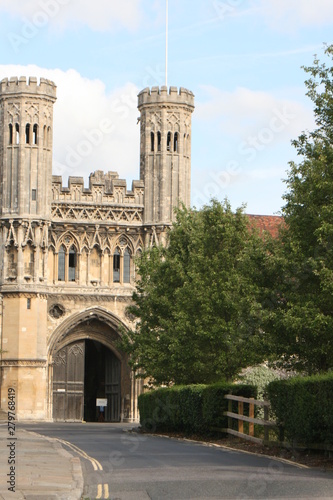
(269, 223)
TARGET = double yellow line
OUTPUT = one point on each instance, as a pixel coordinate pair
(95, 463)
(102, 489)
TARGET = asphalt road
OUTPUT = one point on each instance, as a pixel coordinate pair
(127, 466)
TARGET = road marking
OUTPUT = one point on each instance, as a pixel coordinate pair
(100, 491)
(95, 463)
(106, 491)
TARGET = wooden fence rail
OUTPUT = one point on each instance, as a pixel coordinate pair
(266, 423)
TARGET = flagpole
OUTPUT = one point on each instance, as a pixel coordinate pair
(166, 43)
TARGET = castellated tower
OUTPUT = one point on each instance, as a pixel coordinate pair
(165, 151)
(26, 115)
(26, 118)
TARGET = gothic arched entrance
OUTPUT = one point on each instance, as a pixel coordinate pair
(86, 365)
(83, 372)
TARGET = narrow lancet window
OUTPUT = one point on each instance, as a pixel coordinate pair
(17, 131)
(71, 264)
(116, 267)
(27, 133)
(61, 264)
(10, 133)
(35, 134)
(169, 141)
(127, 266)
(159, 140)
(152, 141)
(175, 143)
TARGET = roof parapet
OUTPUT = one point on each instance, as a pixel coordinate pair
(162, 94)
(15, 85)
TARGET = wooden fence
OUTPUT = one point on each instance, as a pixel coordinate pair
(265, 422)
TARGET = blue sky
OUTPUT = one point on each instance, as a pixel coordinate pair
(241, 58)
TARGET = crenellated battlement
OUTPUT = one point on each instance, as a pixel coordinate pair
(104, 188)
(15, 85)
(157, 95)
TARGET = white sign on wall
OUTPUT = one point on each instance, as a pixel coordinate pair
(101, 402)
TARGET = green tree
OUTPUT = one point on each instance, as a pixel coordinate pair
(196, 300)
(303, 319)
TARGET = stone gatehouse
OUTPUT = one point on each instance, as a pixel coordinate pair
(68, 253)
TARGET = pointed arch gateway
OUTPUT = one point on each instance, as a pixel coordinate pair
(85, 365)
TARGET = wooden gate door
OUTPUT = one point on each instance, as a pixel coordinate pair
(112, 387)
(68, 382)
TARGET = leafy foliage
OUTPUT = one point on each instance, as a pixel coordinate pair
(190, 409)
(214, 404)
(302, 321)
(304, 407)
(197, 300)
(260, 376)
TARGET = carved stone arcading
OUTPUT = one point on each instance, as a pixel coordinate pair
(99, 296)
(155, 121)
(79, 213)
(32, 112)
(11, 238)
(86, 239)
(29, 235)
(14, 112)
(173, 119)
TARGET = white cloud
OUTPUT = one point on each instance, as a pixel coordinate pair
(245, 113)
(93, 130)
(289, 15)
(99, 15)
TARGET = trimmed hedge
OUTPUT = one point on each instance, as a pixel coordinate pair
(214, 403)
(189, 409)
(304, 408)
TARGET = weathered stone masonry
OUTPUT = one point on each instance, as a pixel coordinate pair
(67, 253)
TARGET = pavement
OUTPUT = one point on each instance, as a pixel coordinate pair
(37, 467)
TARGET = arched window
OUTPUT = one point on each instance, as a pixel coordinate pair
(71, 264)
(159, 140)
(175, 142)
(116, 266)
(152, 141)
(61, 264)
(17, 132)
(35, 134)
(127, 266)
(27, 133)
(169, 137)
(10, 133)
